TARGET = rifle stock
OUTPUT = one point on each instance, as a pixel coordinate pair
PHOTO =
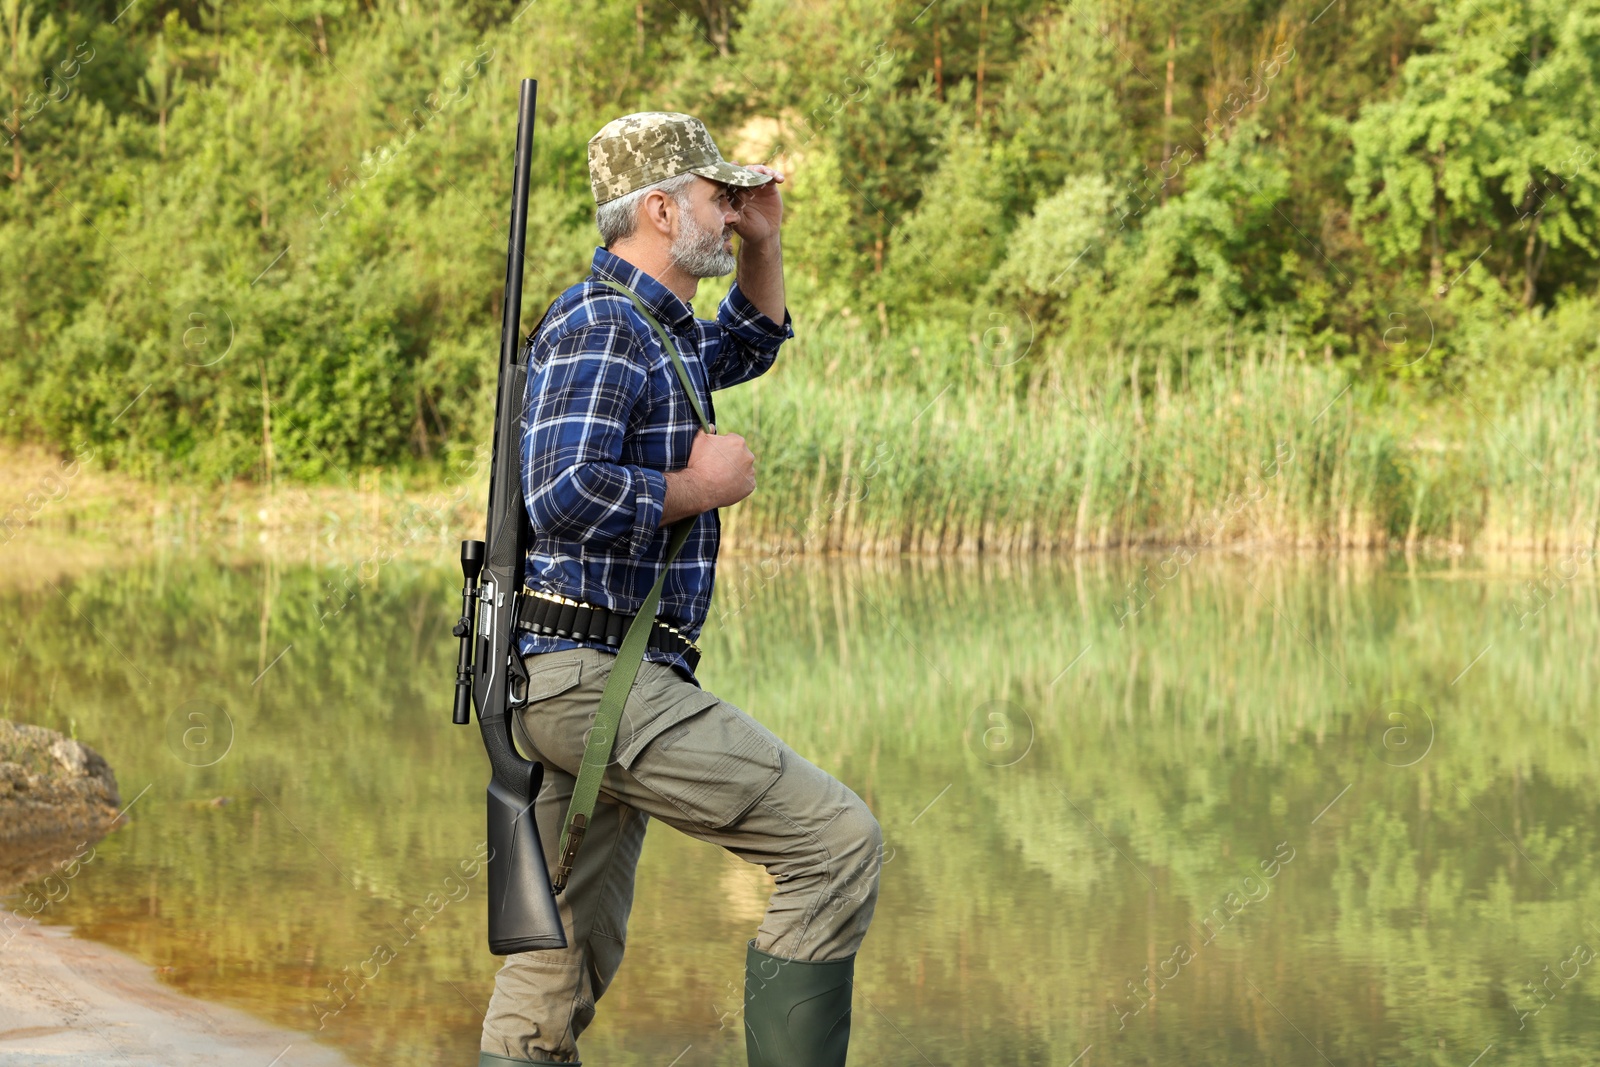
(522, 908)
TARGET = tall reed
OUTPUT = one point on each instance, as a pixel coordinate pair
(1256, 445)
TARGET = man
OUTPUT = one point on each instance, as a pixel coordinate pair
(613, 456)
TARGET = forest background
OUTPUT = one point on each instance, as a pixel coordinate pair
(1065, 274)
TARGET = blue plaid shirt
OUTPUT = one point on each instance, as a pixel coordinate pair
(605, 415)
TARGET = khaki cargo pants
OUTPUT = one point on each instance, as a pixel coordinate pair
(706, 768)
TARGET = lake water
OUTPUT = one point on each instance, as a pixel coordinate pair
(1259, 810)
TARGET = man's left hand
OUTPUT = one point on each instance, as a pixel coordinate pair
(760, 208)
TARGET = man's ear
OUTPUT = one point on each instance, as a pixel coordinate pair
(658, 208)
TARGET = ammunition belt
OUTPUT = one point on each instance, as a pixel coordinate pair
(557, 616)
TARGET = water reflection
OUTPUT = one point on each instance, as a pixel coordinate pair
(1292, 810)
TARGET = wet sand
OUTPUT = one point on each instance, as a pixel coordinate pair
(68, 1001)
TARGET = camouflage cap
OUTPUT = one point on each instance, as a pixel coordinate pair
(650, 146)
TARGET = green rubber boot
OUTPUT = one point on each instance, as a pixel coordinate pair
(489, 1059)
(796, 1012)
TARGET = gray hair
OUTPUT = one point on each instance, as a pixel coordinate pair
(618, 218)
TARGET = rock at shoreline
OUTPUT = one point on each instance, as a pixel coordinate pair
(55, 794)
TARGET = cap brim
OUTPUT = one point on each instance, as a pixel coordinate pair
(732, 174)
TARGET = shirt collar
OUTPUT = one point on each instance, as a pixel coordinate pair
(663, 303)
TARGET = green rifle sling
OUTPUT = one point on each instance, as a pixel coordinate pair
(603, 734)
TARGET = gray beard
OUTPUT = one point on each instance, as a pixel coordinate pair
(699, 253)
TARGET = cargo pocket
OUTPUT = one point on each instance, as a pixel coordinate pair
(532, 725)
(549, 680)
(711, 763)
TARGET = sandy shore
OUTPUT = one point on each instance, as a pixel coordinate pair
(66, 1001)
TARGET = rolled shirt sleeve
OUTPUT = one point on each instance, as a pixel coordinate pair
(749, 342)
(577, 408)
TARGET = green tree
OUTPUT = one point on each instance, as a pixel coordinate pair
(160, 89)
(1063, 112)
(941, 253)
(819, 251)
(1212, 250)
(24, 65)
(1489, 135)
(1056, 257)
